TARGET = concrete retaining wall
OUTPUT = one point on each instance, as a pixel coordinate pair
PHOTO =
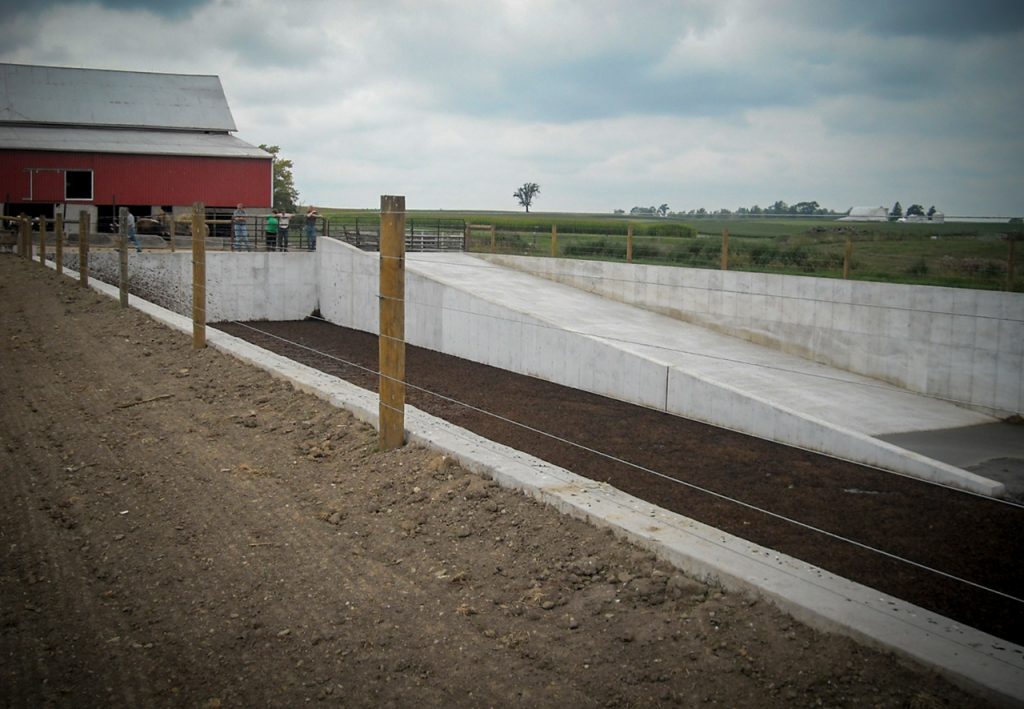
(958, 344)
(240, 286)
(448, 320)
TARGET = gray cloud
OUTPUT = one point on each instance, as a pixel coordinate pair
(899, 51)
(955, 20)
(726, 102)
(164, 8)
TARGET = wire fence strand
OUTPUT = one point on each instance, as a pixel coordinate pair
(646, 470)
(185, 305)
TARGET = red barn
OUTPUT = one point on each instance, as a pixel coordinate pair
(73, 139)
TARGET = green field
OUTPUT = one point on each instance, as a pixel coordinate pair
(958, 254)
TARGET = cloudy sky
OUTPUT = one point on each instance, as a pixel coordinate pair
(605, 104)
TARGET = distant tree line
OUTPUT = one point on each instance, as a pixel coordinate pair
(779, 207)
(661, 211)
(914, 210)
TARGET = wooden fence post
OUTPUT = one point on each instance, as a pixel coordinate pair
(122, 249)
(391, 410)
(25, 238)
(465, 237)
(168, 219)
(18, 233)
(198, 276)
(58, 245)
(494, 237)
(629, 244)
(83, 248)
(725, 249)
(554, 241)
(847, 258)
(42, 240)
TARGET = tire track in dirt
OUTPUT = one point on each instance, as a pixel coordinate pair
(56, 575)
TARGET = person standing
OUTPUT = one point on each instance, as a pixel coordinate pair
(311, 217)
(241, 227)
(284, 218)
(132, 233)
(271, 231)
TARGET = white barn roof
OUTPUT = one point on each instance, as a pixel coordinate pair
(140, 142)
(41, 95)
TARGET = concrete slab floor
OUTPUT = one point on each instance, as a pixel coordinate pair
(994, 450)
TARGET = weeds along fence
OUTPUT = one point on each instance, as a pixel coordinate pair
(985, 260)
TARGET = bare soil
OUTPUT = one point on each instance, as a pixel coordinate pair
(180, 529)
(717, 476)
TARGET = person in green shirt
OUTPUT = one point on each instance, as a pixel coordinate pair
(271, 231)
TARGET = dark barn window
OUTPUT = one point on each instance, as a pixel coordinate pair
(78, 184)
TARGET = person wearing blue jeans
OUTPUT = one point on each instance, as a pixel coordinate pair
(311, 215)
(241, 240)
(131, 233)
(284, 218)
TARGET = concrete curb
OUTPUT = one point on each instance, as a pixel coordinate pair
(972, 659)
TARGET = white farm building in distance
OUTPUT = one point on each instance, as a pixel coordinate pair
(866, 214)
(881, 214)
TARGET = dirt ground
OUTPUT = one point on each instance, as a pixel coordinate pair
(967, 536)
(179, 529)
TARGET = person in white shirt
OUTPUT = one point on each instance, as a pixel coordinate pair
(284, 218)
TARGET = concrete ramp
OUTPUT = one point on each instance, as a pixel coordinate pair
(471, 308)
(993, 450)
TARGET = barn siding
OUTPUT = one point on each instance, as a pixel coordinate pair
(140, 179)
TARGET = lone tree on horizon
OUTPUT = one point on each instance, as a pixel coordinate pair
(526, 193)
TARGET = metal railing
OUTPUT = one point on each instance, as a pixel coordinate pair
(420, 234)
